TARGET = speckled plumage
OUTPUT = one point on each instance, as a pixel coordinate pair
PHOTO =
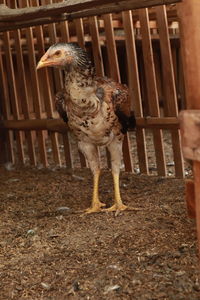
(97, 109)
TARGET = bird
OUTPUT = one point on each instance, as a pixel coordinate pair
(96, 109)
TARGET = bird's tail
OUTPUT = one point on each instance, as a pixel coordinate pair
(127, 122)
(60, 105)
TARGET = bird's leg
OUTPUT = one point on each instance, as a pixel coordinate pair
(96, 204)
(91, 153)
(118, 204)
(115, 149)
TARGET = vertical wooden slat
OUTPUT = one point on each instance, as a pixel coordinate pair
(66, 139)
(53, 39)
(23, 92)
(169, 86)
(96, 47)
(181, 83)
(81, 41)
(64, 29)
(111, 48)
(6, 153)
(115, 74)
(152, 89)
(134, 87)
(13, 94)
(80, 32)
(36, 91)
(47, 91)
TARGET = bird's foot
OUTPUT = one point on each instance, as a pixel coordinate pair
(116, 207)
(95, 208)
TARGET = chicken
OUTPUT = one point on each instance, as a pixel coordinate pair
(97, 110)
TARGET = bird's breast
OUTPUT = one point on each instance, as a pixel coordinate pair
(94, 129)
(91, 119)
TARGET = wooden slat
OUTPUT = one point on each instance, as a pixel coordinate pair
(23, 91)
(59, 126)
(152, 89)
(134, 88)
(80, 32)
(59, 85)
(64, 28)
(81, 8)
(181, 83)
(169, 86)
(81, 42)
(168, 72)
(65, 37)
(53, 39)
(111, 48)
(96, 47)
(36, 91)
(14, 97)
(6, 153)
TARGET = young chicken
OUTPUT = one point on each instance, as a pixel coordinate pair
(97, 111)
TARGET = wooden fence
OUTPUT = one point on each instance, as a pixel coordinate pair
(138, 47)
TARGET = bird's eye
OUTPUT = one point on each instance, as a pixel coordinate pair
(57, 53)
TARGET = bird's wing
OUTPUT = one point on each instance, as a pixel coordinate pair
(60, 105)
(117, 97)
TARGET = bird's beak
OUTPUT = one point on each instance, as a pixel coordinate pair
(40, 65)
(45, 61)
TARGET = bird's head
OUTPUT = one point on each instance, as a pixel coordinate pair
(64, 56)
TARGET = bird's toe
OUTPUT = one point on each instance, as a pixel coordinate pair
(116, 207)
(96, 207)
(93, 209)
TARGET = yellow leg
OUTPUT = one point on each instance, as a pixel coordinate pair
(118, 205)
(96, 204)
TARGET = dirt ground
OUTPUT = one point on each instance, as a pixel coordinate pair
(50, 250)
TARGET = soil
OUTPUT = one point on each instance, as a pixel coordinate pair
(50, 249)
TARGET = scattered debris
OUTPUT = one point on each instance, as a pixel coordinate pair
(77, 177)
(111, 288)
(46, 286)
(74, 288)
(31, 232)
(9, 166)
(13, 180)
(62, 208)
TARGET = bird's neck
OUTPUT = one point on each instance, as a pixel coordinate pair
(82, 77)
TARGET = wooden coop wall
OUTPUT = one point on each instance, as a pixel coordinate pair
(140, 48)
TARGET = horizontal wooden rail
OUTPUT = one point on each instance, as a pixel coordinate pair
(171, 14)
(156, 122)
(25, 17)
(58, 125)
(35, 124)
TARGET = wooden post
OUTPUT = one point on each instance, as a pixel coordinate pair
(189, 12)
